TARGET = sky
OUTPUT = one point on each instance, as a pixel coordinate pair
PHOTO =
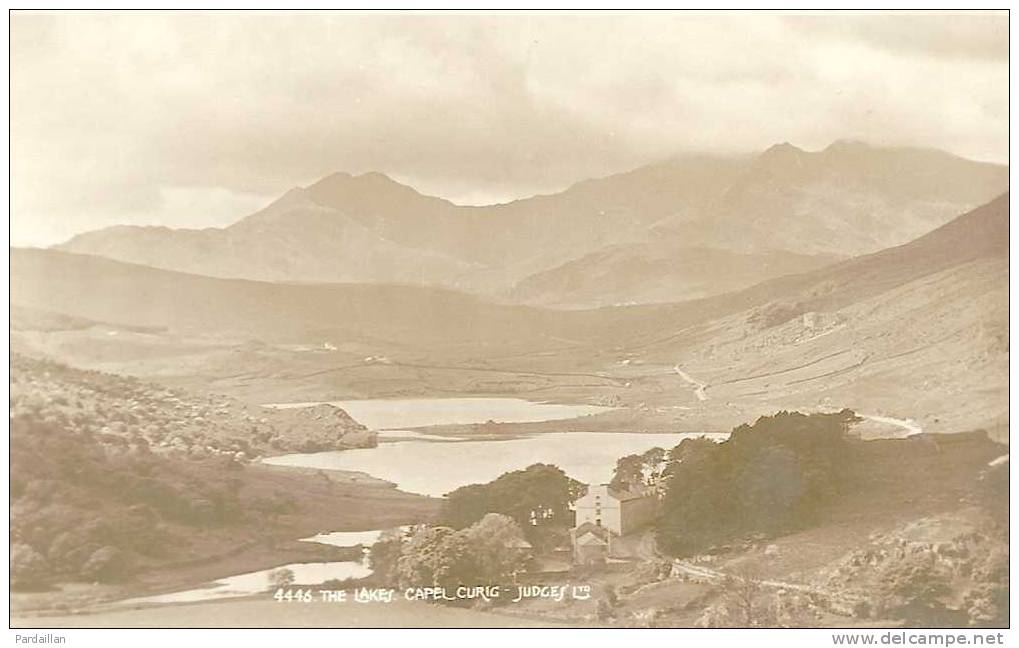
(198, 119)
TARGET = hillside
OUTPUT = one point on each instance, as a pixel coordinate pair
(109, 291)
(847, 199)
(125, 413)
(114, 480)
(918, 331)
(661, 271)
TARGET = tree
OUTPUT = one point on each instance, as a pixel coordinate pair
(384, 555)
(498, 545)
(436, 556)
(539, 495)
(628, 473)
(769, 477)
(488, 552)
(771, 491)
(636, 471)
(698, 506)
(281, 578)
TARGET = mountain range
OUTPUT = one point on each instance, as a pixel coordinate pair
(129, 295)
(688, 227)
(785, 280)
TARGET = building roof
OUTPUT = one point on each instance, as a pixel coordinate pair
(620, 494)
(624, 495)
(589, 528)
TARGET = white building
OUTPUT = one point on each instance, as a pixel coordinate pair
(617, 511)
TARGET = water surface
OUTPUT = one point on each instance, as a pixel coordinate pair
(388, 414)
(348, 538)
(258, 582)
(438, 467)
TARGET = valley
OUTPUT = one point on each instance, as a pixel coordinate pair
(913, 338)
(876, 332)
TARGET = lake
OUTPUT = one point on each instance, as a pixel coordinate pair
(350, 538)
(389, 414)
(258, 582)
(437, 467)
(304, 573)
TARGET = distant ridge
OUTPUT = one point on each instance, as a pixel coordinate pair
(673, 224)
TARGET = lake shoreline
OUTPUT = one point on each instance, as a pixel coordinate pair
(250, 555)
(247, 557)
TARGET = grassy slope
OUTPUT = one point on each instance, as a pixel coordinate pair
(87, 466)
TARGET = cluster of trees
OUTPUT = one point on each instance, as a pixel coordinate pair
(768, 478)
(486, 532)
(537, 498)
(85, 510)
(639, 470)
(490, 551)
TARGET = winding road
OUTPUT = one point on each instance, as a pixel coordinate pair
(705, 573)
(699, 387)
(909, 426)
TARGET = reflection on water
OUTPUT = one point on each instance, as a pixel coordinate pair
(348, 538)
(386, 414)
(432, 468)
(258, 582)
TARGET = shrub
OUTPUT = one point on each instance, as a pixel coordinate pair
(107, 564)
(29, 569)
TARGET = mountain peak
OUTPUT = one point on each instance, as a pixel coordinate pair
(368, 193)
(780, 157)
(375, 176)
(783, 148)
(344, 179)
(344, 185)
(848, 145)
(781, 152)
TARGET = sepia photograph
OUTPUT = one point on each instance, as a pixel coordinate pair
(487, 319)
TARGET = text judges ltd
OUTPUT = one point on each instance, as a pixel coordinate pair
(463, 592)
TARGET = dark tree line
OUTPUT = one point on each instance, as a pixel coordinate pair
(538, 495)
(767, 478)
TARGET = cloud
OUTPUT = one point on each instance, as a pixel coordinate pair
(946, 35)
(116, 117)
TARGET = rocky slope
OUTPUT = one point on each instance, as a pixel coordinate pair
(123, 412)
(661, 271)
(919, 331)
